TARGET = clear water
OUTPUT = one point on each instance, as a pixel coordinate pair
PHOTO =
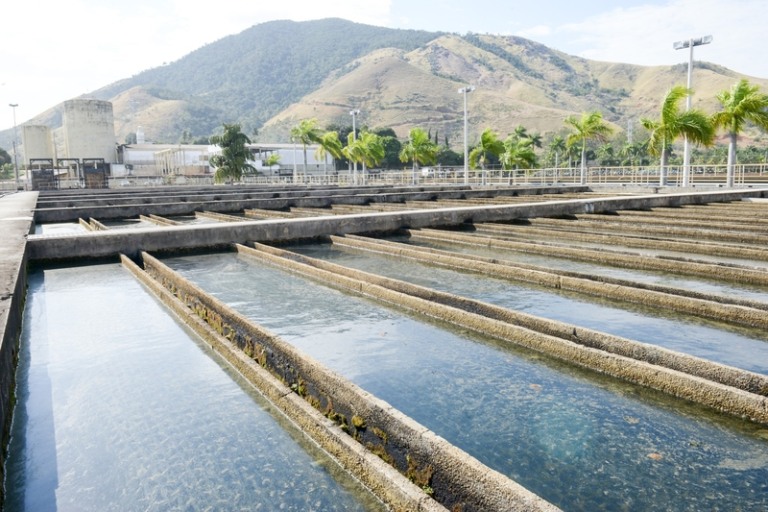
(120, 409)
(703, 285)
(60, 228)
(740, 347)
(128, 224)
(582, 441)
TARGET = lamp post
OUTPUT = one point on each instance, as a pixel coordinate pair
(354, 113)
(466, 90)
(15, 137)
(679, 45)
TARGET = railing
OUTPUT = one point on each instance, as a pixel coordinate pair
(701, 175)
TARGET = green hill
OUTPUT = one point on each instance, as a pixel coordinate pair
(272, 75)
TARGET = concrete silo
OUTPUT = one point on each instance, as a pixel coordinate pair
(37, 142)
(89, 130)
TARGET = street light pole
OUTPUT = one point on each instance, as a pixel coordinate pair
(466, 90)
(354, 113)
(679, 45)
(15, 137)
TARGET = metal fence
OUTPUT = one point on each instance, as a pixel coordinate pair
(700, 175)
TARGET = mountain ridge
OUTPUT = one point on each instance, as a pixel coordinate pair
(270, 76)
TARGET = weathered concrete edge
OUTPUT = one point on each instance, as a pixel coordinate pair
(10, 323)
(111, 243)
(734, 377)
(606, 257)
(107, 207)
(621, 290)
(472, 485)
(712, 394)
(17, 221)
(384, 481)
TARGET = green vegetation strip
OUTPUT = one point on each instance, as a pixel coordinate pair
(399, 460)
(448, 308)
(722, 271)
(571, 231)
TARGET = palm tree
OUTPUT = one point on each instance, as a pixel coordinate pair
(233, 159)
(419, 149)
(743, 103)
(521, 132)
(330, 144)
(606, 154)
(307, 133)
(535, 139)
(556, 146)
(368, 149)
(673, 124)
(518, 153)
(489, 144)
(589, 126)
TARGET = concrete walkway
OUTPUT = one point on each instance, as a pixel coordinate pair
(16, 221)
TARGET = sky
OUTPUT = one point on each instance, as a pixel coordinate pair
(55, 50)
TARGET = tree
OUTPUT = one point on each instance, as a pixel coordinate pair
(272, 159)
(232, 162)
(742, 104)
(392, 148)
(419, 149)
(307, 133)
(489, 146)
(330, 144)
(556, 146)
(589, 126)
(518, 153)
(675, 123)
(368, 150)
(606, 154)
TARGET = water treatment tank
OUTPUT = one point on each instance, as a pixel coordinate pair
(89, 130)
(37, 142)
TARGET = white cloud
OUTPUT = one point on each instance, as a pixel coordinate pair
(644, 34)
(54, 50)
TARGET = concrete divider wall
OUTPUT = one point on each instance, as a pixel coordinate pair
(229, 201)
(566, 231)
(11, 319)
(452, 477)
(752, 315)
(723, 374)
(676, 383)
(733, 273)
(131, 242)
(15, 224)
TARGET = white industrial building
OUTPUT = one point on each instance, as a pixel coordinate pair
(86, 145)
